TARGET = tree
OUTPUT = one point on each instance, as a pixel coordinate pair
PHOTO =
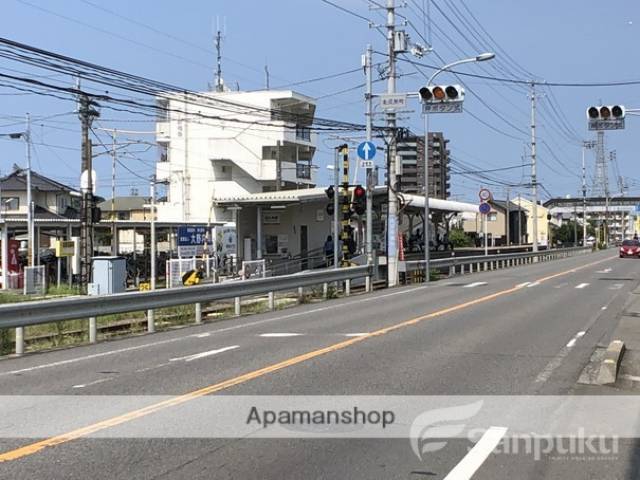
(565, 233)
(459, 238)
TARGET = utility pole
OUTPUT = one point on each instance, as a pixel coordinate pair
(519, 220)
(152, 188)
(585, 144)
(30, 210)
(507, 226)
(86, 113)
(575, 225)
(368, 65)
(114, 240)
(534, 181)
(336, 207)
(392, 219)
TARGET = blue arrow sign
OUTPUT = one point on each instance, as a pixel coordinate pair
(366, 150)
(485, 208)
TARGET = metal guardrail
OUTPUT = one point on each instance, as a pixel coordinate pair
(20, 315)
(494, 262)
(48, 311)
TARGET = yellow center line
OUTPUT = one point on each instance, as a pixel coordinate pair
(180, 399)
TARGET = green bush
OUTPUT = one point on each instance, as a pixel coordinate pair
(459, 238)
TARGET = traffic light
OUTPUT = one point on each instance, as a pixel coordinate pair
(442, 93)
(359, 200)
(606, 112)
(96, 215)
(330, 194)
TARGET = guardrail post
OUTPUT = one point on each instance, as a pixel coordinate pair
(151, 321)
(452, 270)
(300, 294)
(347, 287)
(367, 283)
(325, 290)
(471, 268)
(93, 330)
(485, 266)
(19, 341)
(237, 306)
(198, 313)
(272, 301)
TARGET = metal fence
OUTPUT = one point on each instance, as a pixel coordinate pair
(34, 280)
(461, 265)
(176, 268)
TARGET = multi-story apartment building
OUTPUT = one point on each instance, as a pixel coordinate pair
(225, 144)
(411, 152)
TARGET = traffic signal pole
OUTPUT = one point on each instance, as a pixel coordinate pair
(369, 177)
(392, 218)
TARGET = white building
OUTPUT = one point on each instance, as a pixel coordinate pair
(218, 145)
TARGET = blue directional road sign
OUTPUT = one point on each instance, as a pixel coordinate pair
(191, 235)
(366, 150)
(485, 208)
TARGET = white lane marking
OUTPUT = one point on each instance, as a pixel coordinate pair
(196, 356)
(521, 285)
(633, 378)
(279, 335)
(202, 335)
(606, 270)
(477, 455)
(616, 286)
(561, 285)
(474, 284)
(95, 382)
(534, 284)
(557, 360)
(355, 334)
(582, 285)
(189, 336)
(603, 308)
(146, 369)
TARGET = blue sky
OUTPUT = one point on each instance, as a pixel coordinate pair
(567, 41)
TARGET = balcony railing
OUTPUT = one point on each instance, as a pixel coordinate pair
(303, 133)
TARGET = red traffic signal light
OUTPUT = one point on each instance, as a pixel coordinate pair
(359, 200)
(605, 112)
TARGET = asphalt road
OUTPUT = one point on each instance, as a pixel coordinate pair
(523, 331)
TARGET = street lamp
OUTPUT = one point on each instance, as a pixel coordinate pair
(426, 230)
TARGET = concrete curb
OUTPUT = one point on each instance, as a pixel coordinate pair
(611, 363)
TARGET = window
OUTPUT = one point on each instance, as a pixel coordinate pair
(492, 217)
(10, 203)
(271, 244)
(61, 203)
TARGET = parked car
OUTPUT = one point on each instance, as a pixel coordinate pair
(630, 248)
